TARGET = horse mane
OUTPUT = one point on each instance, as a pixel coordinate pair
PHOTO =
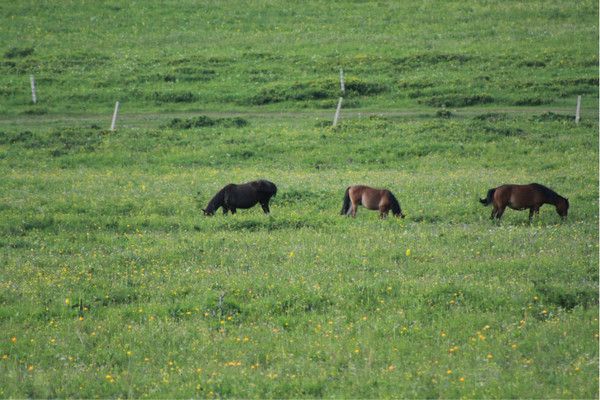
(395, 204)
(549, 193)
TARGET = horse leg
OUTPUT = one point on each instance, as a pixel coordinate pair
(233, 210)
(353, 210)
(494, 211)
(349, 210)
(383, 212)
(265, 206)
(533, 210)
(499, 212)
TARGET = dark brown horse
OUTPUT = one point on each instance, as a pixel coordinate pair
(373, 199)
(246, 195)
(520, 197)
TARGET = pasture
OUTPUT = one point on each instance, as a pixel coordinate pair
(113, 283)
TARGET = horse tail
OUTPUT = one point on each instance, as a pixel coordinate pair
(488, 199)
(266, 187)
(346, 204)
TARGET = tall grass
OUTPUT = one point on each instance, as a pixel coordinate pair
(190, 56)
(112, 283)
(115, 285)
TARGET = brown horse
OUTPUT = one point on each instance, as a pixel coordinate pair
(373, 199)
(246, 195)
(520, 197)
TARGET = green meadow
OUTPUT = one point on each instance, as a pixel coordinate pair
(113, 284)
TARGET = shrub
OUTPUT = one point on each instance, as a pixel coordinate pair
(204, 121)
(532, 101)
(315, 90)
(550, 116)
(19, 52)
(443, 113)
(174, 97)
(457, 100)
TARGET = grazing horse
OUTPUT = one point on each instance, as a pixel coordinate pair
(373, 199)
(246, 195)
(520, 197)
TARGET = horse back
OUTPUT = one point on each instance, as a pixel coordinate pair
(367, 196)
(248, 194)
(522, 196)
(356, 192)
(362, 189)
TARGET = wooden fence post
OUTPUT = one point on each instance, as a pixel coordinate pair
(33, 96)
(337, 112)
(114, 118)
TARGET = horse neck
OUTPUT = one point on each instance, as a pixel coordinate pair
(559, 201)
(394, 203)
(216, 201)
(553, 198)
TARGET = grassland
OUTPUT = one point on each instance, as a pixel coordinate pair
(112, 284)
(233, 55)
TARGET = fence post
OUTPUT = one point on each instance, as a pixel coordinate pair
(33, 96)
(114, 118)
(342, 83)
(337, 112)
(578, 110)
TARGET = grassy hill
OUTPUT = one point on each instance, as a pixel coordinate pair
(114, 285)
(190, 56)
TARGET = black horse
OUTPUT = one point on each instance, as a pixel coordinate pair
(246, 195)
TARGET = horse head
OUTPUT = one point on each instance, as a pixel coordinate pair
(399, 214)
(562, 207)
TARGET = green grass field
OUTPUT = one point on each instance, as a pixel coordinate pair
(113, 284)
